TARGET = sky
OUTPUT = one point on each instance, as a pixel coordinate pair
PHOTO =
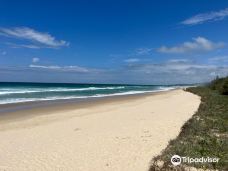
(113, 41)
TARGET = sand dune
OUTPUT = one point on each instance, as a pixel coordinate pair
(119, 135)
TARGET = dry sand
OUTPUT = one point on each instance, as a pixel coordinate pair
(119, 135)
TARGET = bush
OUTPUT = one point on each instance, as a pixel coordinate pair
(215, 83)
(220, 85)
(223, 89)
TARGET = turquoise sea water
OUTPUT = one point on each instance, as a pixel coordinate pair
(25, 92)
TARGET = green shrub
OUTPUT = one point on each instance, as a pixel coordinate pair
(215, 83)
(220, 85)
(223, 89)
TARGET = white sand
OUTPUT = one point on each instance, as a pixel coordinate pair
(115, 136)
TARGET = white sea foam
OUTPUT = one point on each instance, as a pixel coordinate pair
(39, 90)
(19, 100)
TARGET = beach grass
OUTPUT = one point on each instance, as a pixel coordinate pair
(204, 135)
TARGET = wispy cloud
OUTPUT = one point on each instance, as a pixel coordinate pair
(61, 68)
(198, 44)
(35, 60)
(206, 17)
(143, 51)
(131, 60)
(29, 46)
(170, 66)
(42, 40)
(179, 60)
(219, 59)
(175, 71)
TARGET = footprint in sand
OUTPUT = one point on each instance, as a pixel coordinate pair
(77, 129)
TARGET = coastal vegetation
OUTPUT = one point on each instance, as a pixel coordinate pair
(204, 135)
(220, 84)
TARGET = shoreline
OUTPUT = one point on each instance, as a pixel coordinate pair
(122, 133)
(10, 111)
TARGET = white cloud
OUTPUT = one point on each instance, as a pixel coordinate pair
(206, 17)
(179, 60)
(175, 71)
(130, 60)
(29, 46)
(171, 66)
(219, 59)
(61, 68)
(198, 44)
(143, 51)
(41, 39)
(35, 60)
(26, 46)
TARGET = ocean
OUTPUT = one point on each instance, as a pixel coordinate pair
(27, 92)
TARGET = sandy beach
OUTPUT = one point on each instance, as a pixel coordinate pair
(109, 135)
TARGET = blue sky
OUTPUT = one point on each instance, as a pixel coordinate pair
(136, 42)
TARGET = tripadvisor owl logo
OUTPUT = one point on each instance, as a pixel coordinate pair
(176, 160)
